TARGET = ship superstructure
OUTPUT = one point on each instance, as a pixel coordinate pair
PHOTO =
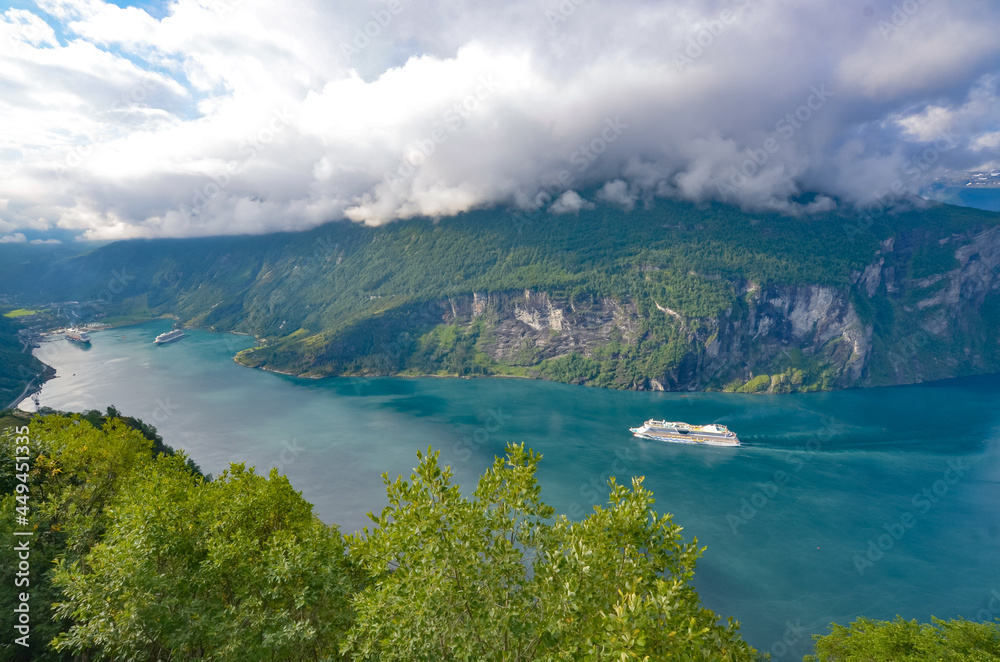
(684, 433)
(169, 336)
(77, 335)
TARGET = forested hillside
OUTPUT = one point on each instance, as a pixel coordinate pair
(668, 296)
(18, 367)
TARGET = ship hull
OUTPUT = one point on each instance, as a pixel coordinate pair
(172, 336)
(683, 439)
(74, 335)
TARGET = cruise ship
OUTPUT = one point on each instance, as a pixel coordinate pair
(169, 336)
(682, 433)
(77, 335)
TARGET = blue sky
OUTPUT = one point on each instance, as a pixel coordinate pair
(155, 9)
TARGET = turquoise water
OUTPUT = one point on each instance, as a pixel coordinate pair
(792, 520)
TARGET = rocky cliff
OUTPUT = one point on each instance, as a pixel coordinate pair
(889, 326)
(820, 323)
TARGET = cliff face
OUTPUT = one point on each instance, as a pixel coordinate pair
(820, 322)
(889, 326)
(944, 323)
(553, 327)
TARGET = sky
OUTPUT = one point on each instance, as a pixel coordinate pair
(207, 117)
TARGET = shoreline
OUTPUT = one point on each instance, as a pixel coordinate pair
(32, 387)
(277, 371)
(48, 372)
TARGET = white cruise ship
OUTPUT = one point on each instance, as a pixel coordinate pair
(682, 433)
(169, 336)
(77, 335)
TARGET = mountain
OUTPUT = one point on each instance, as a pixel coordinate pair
(19, 369)
(671, 296)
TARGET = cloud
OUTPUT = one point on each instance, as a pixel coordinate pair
(616, 192)
(251, 116)
(45, 241)
(16, 238)
(569, 202)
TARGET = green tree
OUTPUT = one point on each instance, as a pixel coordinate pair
(616, 586)
(494, 577)
(864, 640)
(235, 569)
(75, 470)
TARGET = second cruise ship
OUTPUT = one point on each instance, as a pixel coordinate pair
(77, 335)
(169, 336)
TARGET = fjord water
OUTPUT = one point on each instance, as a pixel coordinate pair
(864, 502)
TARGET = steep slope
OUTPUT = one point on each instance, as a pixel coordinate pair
(19, 369)
(672, 296)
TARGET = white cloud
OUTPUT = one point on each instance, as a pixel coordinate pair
(990, 141)
(616, 192)
(254, 116)
(929, 124)
(16, 238)
(569, 202)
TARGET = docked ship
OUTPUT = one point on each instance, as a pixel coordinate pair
(682, 433)
(77, 335)
(169, 336)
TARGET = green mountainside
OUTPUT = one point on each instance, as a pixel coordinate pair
(18, 368)
(673, 296)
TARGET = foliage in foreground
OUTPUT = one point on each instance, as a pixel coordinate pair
(146, 559)
(237, 569)
(493, 577)
(909, 641)
(138, 556)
